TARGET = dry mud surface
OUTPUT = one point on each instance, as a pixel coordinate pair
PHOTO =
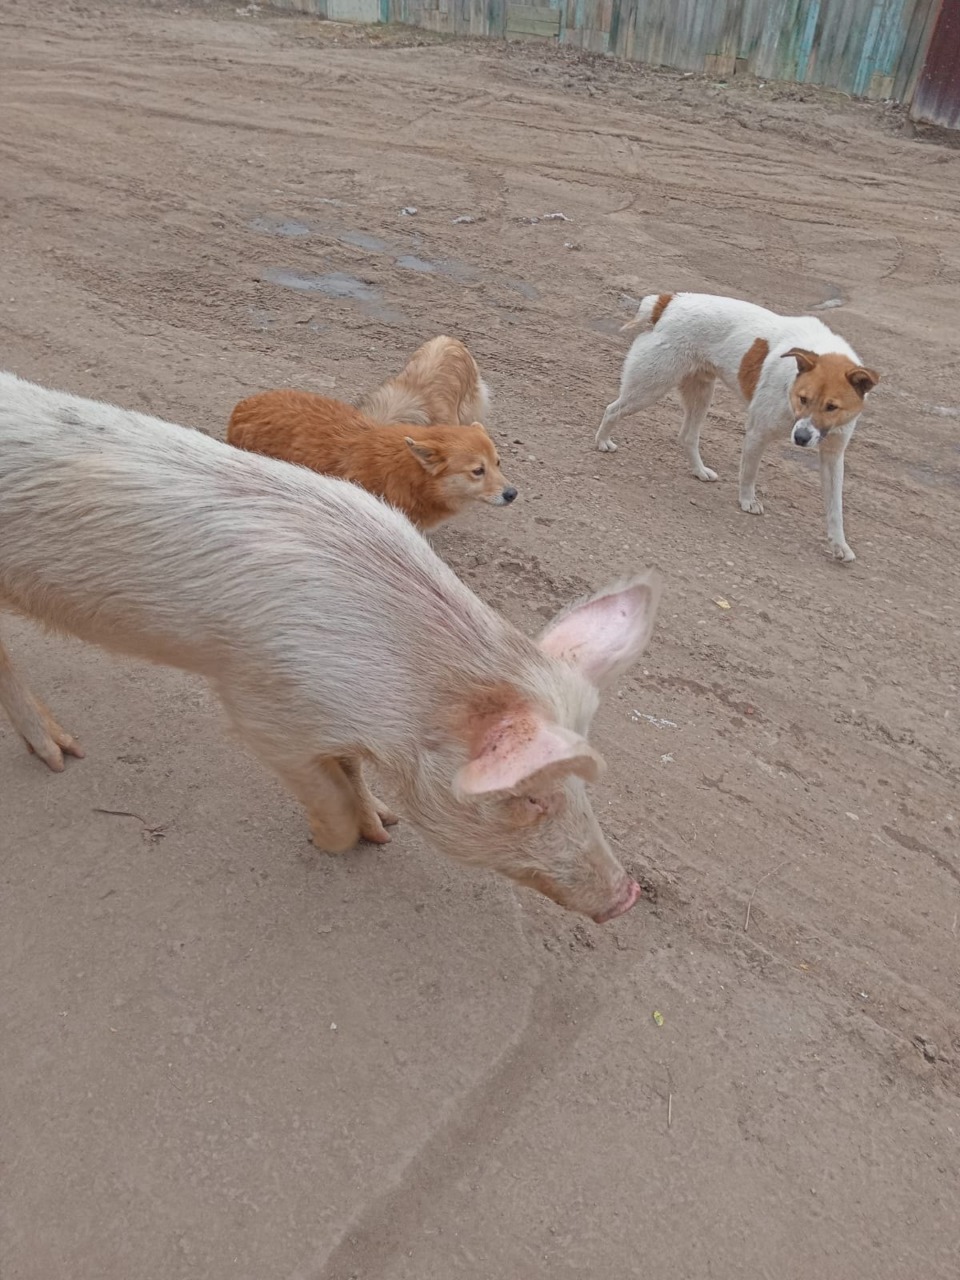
(222, 1057)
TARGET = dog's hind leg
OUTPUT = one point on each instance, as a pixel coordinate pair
(648, 374)
(31, 719)
(696, 392)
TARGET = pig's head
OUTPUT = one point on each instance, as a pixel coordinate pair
(520, 802)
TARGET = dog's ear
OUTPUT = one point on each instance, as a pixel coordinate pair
(428, 457)
(805, 359)
(862, 380)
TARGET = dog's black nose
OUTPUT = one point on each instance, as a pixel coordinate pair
(803, 436)
(509, 493)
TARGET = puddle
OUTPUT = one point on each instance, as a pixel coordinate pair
(411, 263)
(440, 266)
(606, 324)
(933, 477)
(260, 319)
(279, 227)
(451, 267)
(525, 290)
(362, 240)
(335, 284)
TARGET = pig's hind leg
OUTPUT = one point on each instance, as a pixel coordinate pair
(31, 719)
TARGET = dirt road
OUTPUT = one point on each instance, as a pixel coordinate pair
(222, 1057)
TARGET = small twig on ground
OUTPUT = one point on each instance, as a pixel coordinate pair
(765, 876)
(154, 833)
(669, 1110)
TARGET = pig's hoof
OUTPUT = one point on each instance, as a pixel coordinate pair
(335, 842)
(386, 816)
(375, 834)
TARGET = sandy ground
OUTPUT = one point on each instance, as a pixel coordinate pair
(223, 1057)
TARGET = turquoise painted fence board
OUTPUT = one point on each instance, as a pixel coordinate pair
(869, 48)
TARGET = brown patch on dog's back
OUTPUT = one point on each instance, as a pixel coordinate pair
(750, 366)
(660, 306)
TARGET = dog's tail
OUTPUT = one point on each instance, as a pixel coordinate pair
(649, 312)
(394, 403)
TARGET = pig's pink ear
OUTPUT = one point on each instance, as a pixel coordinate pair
(523, 752)
(604, 636)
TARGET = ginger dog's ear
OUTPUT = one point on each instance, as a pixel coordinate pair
(428, 457)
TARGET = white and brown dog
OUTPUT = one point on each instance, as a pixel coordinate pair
(798, 378)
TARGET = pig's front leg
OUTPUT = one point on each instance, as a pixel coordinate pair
(372, 813)
(329, 797)
(339, 806)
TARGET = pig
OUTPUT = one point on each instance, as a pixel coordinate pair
(330, 631)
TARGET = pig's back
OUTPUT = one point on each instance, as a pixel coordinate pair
(155, 540)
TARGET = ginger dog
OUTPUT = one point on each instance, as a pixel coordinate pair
(800, 381)
(440, 383)
(430, 476)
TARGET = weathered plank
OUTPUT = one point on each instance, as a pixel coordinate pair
(533, 20)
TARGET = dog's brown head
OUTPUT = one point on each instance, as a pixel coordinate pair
(463, 464)
(827, 393)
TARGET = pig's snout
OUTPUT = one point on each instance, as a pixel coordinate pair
(623, 904)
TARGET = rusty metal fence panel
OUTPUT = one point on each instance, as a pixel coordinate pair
(937, 96)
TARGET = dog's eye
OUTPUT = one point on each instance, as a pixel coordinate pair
(830, 408)
(804, 399)
(479, 471)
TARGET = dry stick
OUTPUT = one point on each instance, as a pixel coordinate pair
(669, 1110)
(765, 876)
(125, 813)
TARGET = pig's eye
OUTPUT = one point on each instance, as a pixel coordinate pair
(527, 810)
(479, 471)
(524, 811)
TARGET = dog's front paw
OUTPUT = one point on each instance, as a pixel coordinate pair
(840, 551)
(52, 746)
(752, 505)
(606, 446)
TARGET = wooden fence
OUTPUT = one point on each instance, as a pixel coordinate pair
(868, 48)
